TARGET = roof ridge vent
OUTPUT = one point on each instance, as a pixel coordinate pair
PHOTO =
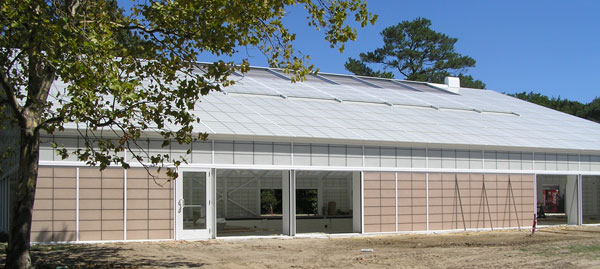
(453, 84)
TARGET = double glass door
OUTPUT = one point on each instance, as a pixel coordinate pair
(193, 206)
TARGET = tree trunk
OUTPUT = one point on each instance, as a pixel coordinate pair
(17, 251)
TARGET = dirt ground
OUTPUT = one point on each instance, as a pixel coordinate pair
(557, 247)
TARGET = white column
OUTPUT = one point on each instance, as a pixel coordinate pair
(288, 198)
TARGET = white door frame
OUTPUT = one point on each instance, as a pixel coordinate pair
(180, 233)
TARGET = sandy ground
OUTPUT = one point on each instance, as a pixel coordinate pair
(557, 247)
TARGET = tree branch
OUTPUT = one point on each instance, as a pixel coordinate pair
(12, 99)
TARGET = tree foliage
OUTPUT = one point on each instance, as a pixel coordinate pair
(418, 53)
(132, 72)
(590, 111)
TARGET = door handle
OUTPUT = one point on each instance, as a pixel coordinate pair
(180, 203)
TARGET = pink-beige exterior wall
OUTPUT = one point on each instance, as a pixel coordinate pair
(446, 201)
(100, 205)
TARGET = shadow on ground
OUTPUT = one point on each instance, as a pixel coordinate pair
(90, 256)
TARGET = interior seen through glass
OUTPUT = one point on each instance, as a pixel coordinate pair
(556, 199)
(323, 202)
(249, 202)
(194, 200)
(591, 199)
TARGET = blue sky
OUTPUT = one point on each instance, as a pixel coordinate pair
(551, 47)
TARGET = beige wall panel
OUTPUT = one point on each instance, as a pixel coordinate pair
(448, 184)
(112, 183)
(90, 183)
(404, 201)
(388, 219)
(137, 225)
(137, 214)
(372, 220)
(435, 193)
(90, 194)
(404, 210)
(372, 228)
(419, 209)
(160, 234)
(41, 226)
(134, 173)
(404, 219)
(63, 225)
(136, 204)
(159, 175)
(404, 176)
(39, 215)
(112, 214)
(42, 204)
(136, 183)
(372, 193)
(160, 204)
(137, 194)
(112, 204)
(90, 214)
(65, 172)
(64, 215)
(404, 193)
(89, 235)
(90, 225)
(112, 194)
(160, 214)
(435, 226)
(435, 218)
(388, 176)
(388, 227)
(435, 209)
(91, 172)
(46, 171)
(112, 235)
(419, 184)
(404, 185)
(372, 176)
(159, 183)
(388, 210)
(372, 211)
(64, 204)
(419, 218)
(388, 184)
(388, 202)
(435, 201)
(372, 185)
(43, 182)
(419, 193)
(403, 227)
(419, 201)
(420, 226)
(43, 193)
(137, 235)
(116, 173)
(112, 225)
(154, 224)
(65, 182)
(41, 236)
(372, 202)
(160, 193)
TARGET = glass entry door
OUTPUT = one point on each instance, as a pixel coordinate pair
(193, 205)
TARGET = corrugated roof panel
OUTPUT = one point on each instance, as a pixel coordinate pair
(259, 110)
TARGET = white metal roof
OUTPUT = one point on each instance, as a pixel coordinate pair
(263, 103)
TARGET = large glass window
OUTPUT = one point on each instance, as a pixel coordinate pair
(591, 199)
(324, 202)
(249, 202)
